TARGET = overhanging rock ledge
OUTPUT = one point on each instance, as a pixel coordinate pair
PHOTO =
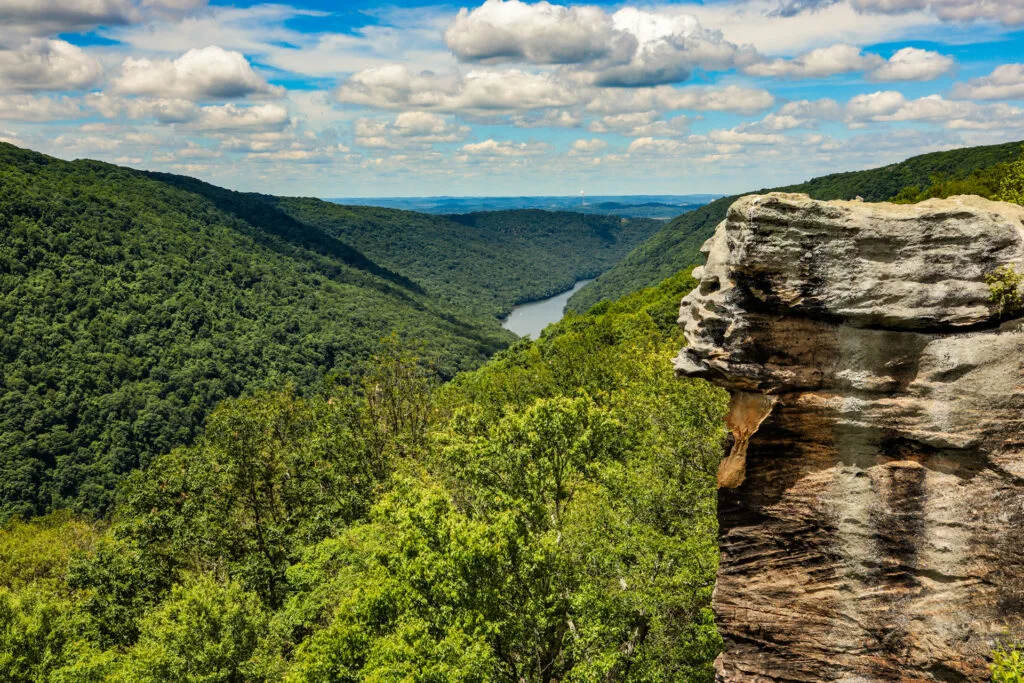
(872, 508)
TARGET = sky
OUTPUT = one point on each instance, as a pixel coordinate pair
(391, 98)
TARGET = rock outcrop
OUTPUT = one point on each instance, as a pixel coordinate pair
(872, 508)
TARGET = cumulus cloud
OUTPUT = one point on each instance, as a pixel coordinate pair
(51, 17)
(494, 148)
(587, 147)
(203, 73)
(411, 128)
(875, 106)
(819, 63)
(1006, 82)
(641, 124)
(630, 48)
(890, 106)
(800, 114)
(908, 64)
(1009, 12)
(913, 64)
(541, 33)
(732, 98)
(233, 117)
(162, 109)
(396, 87)
(552, 118)
(45, 64)
(23, 107)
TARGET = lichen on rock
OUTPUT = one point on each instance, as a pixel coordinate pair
(873, 529)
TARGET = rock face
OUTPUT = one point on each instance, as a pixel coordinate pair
(872, 509)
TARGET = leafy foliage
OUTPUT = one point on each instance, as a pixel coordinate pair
(678, 243)
(1011, 183)
(549, 516)
(1006, 290)
(1007, 665)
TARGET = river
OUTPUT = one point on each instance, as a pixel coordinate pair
(529, 319)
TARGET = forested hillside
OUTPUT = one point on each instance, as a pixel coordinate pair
(677, 244)
(547, 517)
(132, 303)
(484, 261)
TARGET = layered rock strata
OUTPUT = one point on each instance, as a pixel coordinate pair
(872, 508)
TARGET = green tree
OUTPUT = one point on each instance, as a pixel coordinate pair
(205, 632)
(1011, 187)
(1005, 290)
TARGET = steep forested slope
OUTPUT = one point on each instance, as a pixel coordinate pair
(484, 261)
(677, 245)
(547, 517)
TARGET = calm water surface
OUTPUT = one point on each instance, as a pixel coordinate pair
(529, 319)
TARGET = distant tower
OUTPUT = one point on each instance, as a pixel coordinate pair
(583, 198)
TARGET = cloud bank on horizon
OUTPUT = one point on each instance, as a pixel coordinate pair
(404, 97)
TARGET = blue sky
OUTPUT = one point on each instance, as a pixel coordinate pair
(505, 97)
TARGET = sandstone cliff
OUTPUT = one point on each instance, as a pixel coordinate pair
(872, 507)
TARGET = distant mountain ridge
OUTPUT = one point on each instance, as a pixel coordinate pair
(636, 206)
(677, 244)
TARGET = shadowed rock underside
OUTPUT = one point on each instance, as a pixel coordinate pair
(872, 509)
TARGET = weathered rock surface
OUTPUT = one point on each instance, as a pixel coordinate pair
(872, 509)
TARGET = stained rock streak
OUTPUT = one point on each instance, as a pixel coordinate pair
(872, 508)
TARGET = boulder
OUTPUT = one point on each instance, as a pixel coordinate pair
(871, 509)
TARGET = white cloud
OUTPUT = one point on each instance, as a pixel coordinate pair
(758, 23)
(890, 106)
(715, 145)
(204, 73)
(540, 33)
(395, 87)
(33, 108)
(411, 128)
(51, 17)
(587, 147)
(875, 106)
(641, 124)
(1006, 82)
(494, 148)
(164, 110)
(818, 63)
(45, 64)
(908, 64)
(913, 64)
(1010, 12)
(232, 117)
(799, 114)
(552, 118)
(731, 98)
(630, 48)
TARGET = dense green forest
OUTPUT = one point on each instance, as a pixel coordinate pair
(132, 303)
(483, 261)
(548, 517)
(973, 170)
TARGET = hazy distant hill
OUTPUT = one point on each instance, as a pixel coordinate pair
(677, 244)
(637, 206)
